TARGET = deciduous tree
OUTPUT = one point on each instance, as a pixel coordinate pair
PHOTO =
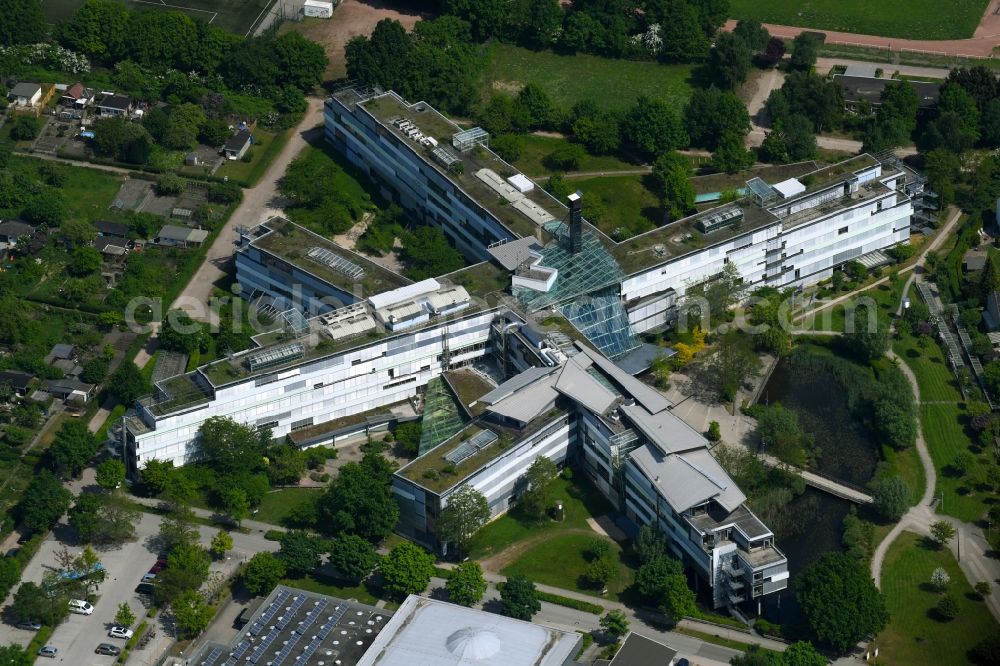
(353, 557)
(466, 584)
(535, 501)
(262, 573)
(615, 625)
(191, 613)
(892, 497)
(518, 598)
(840, 601)
(942, 531)
(110, 474)
(407, 569)
(467, 510)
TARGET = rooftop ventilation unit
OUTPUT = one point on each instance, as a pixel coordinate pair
(270, 358)
(719, 220)
(336, 262)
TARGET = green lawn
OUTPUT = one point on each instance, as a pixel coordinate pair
(324, 585)
(536, 148)
(266, 147)
(611, 83)
(945, 436)
(580, 501)
(906, 464)
(559, 561)
(277, 505)
(914, 636)
(927, 361)
(87, 192)
(620, 206)
(885, 295)
(911, 19)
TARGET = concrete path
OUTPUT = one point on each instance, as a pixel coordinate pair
(259, 203)
(821, 482)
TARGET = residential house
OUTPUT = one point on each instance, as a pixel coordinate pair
(180, 236)
(70, 390)
(111, 247)
(859, 85)
(974, 260)
(114, 105)
(238, 145)
(17, 381)
(12, 230)
(77, 96)
(60, 352)
(26, 94)
(112, 229)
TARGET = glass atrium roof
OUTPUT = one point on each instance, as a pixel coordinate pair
(442, 416)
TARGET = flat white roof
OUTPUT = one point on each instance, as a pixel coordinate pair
(426, 631)
(790, 188)
(318, 3)
(521, 182)
(409, 292)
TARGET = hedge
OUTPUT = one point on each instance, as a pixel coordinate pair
(575, 604)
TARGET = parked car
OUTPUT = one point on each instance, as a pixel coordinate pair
(80, 607)
(32, 625)
(148, 578)
(120, 632)
(160, 565)
(47, 651)
(108, 649)
(144, 588)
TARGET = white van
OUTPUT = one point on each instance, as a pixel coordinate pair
(81, 607)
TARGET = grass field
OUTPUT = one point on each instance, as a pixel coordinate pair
(914, 635)
(885, 295)
(946, 437)
(619, 203)
(559, 562)
(237, 16)
(266, 147)
(324, 585)
(611, 83)
(580, 501)
(927, 361)
(910, 19)
(276, 506)
(536, 148)
(87, 192)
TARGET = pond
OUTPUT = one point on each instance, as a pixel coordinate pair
(845, 451)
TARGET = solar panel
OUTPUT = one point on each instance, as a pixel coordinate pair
(336, 262)
(311, 617)
(332, 621)
(286, 650)
(474, 445)
(212, 657)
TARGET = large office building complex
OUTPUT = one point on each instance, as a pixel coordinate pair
(530, 351)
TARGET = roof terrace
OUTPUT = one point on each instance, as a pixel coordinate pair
(521, 212)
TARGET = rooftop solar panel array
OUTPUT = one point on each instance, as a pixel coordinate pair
(212, 657)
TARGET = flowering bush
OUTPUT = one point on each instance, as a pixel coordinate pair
(50, 56)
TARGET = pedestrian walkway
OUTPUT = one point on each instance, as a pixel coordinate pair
(823, 483)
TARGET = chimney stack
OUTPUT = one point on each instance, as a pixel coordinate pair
(575, 222)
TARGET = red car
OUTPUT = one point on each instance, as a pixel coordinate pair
(160, 565)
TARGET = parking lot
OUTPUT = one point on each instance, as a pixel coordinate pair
(78, 636)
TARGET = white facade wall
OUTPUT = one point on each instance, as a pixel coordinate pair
(496, 482)
(323, 390)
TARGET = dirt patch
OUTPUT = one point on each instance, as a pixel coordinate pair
(350, 19)
(512, 87)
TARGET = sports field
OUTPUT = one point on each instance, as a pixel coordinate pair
(611, 83)
(237, 16)
(908, 19)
